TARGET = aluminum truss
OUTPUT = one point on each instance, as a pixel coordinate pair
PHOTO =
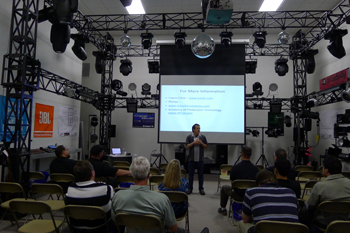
(20, 78)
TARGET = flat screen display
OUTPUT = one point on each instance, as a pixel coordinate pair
(143, 120)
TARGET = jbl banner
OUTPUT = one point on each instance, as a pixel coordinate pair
(43, 127)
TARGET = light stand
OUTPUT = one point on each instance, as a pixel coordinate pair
(262, 156)
(158, 156)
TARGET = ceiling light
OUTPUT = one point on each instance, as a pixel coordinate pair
(79, 46)
(283, 37)
(260, 38)
(146, 40)
(270, 5)
(153, 66)
(125, 41)
(100, 61)
(288, 121)
(136, 8)
(335, 46)
(250, 66)
(126, 2)
(59, 37)
(310, 64)
(146, 89)
(273, 87)
(281, 66)
(255, 133)
(226, 39)
(180, 40)
(132, 86)
(203, 46)
(125, 67)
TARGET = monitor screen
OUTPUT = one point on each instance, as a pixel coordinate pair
(116, 151)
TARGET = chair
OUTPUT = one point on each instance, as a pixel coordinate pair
(9, 187)
(346, 174)
(260, 167)
(176, 196)
(239, 184)
(122, 167)
(125, 179)
(51, 189)
(36, 225)
(29, 177)
(265, 226)
(301, 205)
(121, 164)
(338, 227)
(184, 173)
(224, 174)
(303, 168)
(331, 207)
(308, 186)
(100, 179)
(155, 180)
(62, 177)
(305, 176)
(82, 212)
(138, 221)
(163, 166)
(154, 171)
(106, 161)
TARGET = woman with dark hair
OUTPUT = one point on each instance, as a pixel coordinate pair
(174, 182)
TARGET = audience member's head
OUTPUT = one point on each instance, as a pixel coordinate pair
(139, 168)
(96, 151)
(83, 171)
(246, 152)
(172, 177)
(282, 166)
(264, 177)
(280, 154)
(332, 164)
(62, 151)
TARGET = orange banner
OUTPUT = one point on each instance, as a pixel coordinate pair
(43, 126)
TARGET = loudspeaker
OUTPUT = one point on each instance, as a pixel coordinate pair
(308, 124)
(295, 135)
(111, 131)
(221, 154)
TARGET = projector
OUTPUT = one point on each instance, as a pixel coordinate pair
(219, 11)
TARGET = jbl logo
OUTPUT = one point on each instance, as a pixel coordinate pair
(44, 118)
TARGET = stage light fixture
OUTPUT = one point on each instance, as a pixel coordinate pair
(79, 46)
(100, 61)
(146, 40)
(59, 37)
(309, 57)
(125, 41)
(146, 89)
(345, 95)
(64, 10)
(281, 66)
(131, 105)
(273, 87)
(226, 39)
(48, 13)
(288, 121)
(70, 92)
(125, 67)
(180, 39)
(257, 89)
(335, 46)
(311, 102)
(126, 2)
(255, 133)
(250, 66)
(116, 84)
(153, 66)
(275, 106)
(260, 38)
(132, 86)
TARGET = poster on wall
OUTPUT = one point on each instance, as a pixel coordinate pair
(68, 124)
(43, 125)
(11, 121)
(143, 120)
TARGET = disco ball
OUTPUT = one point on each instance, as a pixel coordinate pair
(125, 41)
(283, 37)
(203, 46)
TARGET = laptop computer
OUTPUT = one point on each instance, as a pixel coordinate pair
(116, 151)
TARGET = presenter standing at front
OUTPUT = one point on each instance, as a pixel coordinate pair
(196, 143)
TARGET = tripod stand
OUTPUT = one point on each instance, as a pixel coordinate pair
(159, 155)
(262, 156)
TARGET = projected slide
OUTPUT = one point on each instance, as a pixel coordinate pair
(217, 103)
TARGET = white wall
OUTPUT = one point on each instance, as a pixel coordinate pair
(65, 65)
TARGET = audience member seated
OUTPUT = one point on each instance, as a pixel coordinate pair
(62, 164)
(87, 192)
(245, 170)
(174, 182)
(335, 187)
(282, 154)
(104, 169)
(268, 201)
(282, 167)
(139, 199)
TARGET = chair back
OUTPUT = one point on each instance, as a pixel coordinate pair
(126, 179)
(225, 169)
(47, 189)
(301, 205)
(265, 226)
(243, 184)
(138, 221)
(35, 175)
(121, 164)
(260, 167)
(155, 180)
(62, 177)
(11, 187)
(30, 207)
(339, 207)
(184, 173)
(176, 196)
(308, 186)
(346, 174)
(163, 166)
(122, 167)
(338, 227)
(302, 168)
(100, 179)
(313, 175)
(106, 161)
(84, 212)
(154, 171)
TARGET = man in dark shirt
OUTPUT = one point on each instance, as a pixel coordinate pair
(103, 169)
(245, 170)
(62, 163)
(282, 167)
(282, 154)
